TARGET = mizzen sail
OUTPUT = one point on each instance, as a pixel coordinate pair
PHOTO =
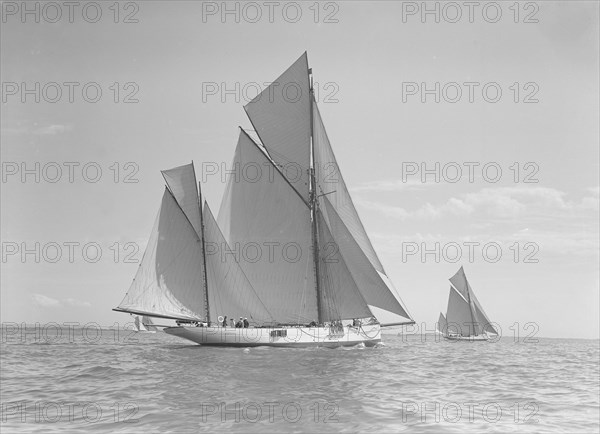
(169, 280)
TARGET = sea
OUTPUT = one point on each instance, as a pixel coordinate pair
(83, 379)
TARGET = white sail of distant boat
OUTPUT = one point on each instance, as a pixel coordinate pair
(144, 324)
(316, 266)
(465, 318)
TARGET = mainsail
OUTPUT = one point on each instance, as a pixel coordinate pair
(460, 282)
(459, 316)
(269, 225)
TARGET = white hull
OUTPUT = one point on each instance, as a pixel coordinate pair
(478, 338)
(369, 335)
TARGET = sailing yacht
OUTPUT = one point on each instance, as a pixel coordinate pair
(465, 318)
(287, 250)
(144, 324)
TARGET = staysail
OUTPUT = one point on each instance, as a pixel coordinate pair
(442, 325)
(369, 280)
(170, 278)
(331, 183)
(347, 227)
(340, 296)
(149, 324)
(138, 324)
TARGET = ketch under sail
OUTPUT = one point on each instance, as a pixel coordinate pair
(288, 248)
(465, 318)
(144, 324)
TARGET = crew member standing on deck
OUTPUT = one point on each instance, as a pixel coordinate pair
(246, 323)
(225, 321)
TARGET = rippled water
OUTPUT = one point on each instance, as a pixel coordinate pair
(158, 383)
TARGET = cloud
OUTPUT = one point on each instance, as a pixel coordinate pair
(384, 186)
(77, 303)
(500, 202)
(546, 243)
(41, 300)
(44, 301)
(25, 127)
(54, 129)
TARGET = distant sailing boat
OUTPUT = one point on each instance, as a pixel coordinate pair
(144, 324)
(289, 251)
(465, 318)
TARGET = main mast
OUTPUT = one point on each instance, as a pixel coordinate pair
(313, 205)
(471, 306)
(203, 251)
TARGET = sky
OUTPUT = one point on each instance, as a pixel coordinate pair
(174, 77)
